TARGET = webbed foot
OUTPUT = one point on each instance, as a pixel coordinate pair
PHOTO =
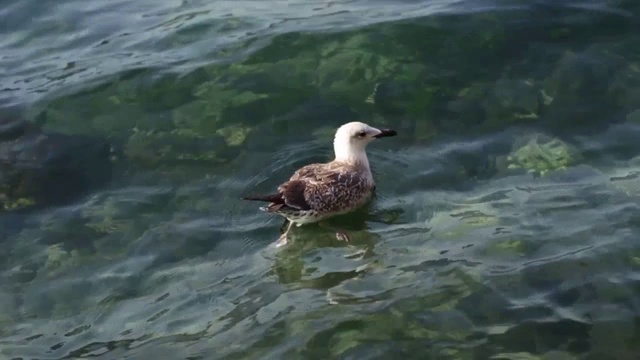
(284, 238)
(282, 241)
(342, 236)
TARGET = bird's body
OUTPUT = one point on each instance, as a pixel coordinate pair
(319, 191)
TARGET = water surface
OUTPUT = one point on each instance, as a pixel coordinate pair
(507, 215)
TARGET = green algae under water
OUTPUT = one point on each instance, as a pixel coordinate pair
(506, 222)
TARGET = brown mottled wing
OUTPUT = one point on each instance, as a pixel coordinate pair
(310, 171)
(323, 188)
(292, 193)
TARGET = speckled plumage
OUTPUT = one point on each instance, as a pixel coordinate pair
(318, 191)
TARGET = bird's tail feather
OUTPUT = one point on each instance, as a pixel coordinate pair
(254, 198)
(274, 199)
(268, 198)
(259, 197)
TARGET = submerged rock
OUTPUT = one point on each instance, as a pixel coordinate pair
(586, 87)
(495, 105)
(11, 130)
(38, 168)
(58, 259)
(513, 100)
(539, 154)
(634, 116)
(155, 147)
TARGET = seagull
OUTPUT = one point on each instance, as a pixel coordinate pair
(319, 191)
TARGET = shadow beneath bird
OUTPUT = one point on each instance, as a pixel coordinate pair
(307, 260)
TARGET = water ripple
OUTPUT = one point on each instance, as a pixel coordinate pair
(58, 46)
(457, 256)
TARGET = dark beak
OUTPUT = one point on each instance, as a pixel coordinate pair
(386, 133)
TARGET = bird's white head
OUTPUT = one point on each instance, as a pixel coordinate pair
(352, 138)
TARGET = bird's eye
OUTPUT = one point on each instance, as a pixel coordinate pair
(361, 134)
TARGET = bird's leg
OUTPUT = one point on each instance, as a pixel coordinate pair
(283, 239)
(284, 225)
